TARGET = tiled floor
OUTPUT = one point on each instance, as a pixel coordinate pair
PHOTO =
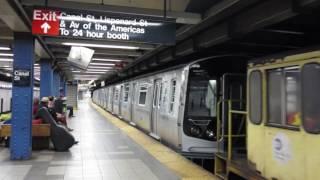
(103, 152)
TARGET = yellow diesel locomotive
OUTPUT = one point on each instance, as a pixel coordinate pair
(283, 122)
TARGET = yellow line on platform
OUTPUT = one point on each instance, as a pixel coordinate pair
(183, 167)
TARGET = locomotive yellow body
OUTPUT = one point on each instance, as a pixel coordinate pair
(283, 121)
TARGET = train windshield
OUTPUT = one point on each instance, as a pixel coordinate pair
(201, 93)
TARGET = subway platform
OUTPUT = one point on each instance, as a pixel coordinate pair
(108, 149)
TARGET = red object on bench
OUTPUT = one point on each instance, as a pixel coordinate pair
(37, 121)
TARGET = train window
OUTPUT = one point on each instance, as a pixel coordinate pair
(202, 95)
(143, 95)
(116, 95)
(311, 98)
(126, 93)
(255, 98)
(160, 98)
(283, 97)
(274, 96)
(173, 94)
(292, 90)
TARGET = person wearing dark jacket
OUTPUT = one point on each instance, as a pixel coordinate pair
(59, 118)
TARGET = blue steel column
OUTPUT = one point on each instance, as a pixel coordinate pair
(22, 97)
(46, 79)
(56, 83)
(65, 88)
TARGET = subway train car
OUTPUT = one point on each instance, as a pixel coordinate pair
(178, 105)
(6, 95)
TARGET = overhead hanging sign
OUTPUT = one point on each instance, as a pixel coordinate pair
(100, 26)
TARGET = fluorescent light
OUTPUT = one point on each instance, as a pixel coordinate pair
(90, 82)
(6, 54)
(94, 72)
(5, 66)
(98, 67)
(4, 48)
(97, 70)
(76, 71)
(6, 59)
(8, 74)
(100, 45)
(107, 64)
(111, 60)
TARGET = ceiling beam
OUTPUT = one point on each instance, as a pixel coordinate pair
(108, 52)
(180, 17)
(65, 56)
(59, 41)
(6, 33)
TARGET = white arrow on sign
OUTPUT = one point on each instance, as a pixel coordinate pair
(45, 26)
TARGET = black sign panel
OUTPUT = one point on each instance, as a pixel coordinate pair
(92, 25)
(21, 77)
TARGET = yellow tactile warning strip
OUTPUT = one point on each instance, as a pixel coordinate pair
(183, 167)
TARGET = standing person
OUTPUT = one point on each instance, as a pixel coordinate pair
(60, 104)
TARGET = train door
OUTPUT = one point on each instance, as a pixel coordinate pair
(234, 89)
(155, 108)
(120, 100)
(133, 92)
(112, 98)
(107, 97)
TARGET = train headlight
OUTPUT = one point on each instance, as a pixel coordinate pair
(195, 131)
(209, 133)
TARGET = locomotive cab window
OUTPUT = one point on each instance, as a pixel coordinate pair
(143, 94)
(311, 98)
(201, 102)
(283, 97)
(255, 97)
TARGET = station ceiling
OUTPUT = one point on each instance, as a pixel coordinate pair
(253, 28)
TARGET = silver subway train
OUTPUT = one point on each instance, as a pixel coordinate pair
(178, 106)
(6, 95)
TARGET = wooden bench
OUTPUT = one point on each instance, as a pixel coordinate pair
(40, 135)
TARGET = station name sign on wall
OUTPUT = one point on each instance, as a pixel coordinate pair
(98, 26)
(21, 77)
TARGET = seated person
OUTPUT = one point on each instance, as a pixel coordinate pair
(59, 118)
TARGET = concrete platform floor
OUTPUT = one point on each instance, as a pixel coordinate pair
(103, 152)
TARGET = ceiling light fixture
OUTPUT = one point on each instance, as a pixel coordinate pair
(97, 70)
(100, 45)
(108, 64)
(6, 59)
(98, 67)
(110, 60)
(5, 48)
(94, 72)
(90, 82)
(6, 54)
